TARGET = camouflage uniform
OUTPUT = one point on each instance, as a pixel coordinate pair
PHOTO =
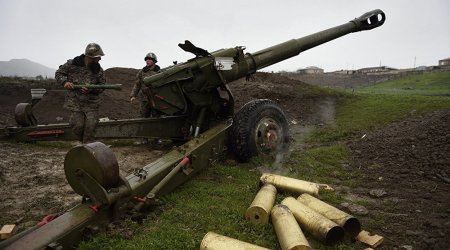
(84, 107)
(145, 94)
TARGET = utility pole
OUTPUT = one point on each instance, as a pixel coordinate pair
(414, 62)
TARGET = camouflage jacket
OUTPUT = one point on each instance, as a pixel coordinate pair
(77, 72)
(139, 84)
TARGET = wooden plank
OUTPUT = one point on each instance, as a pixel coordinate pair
(7, 231)
(371, 240)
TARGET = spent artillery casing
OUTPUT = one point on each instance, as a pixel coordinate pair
(289, 234)
(291, 184)
(213, 241)
(314, 223)
(347, 221)
(259, 210)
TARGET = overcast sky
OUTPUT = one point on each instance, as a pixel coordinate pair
(416, 32)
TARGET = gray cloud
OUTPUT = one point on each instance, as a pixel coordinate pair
(52, 31)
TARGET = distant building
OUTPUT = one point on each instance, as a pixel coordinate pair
(375, 70)
(445, 62)
(345, 72)
(310, 70)
(421, 68)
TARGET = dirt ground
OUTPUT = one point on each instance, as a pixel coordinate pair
(404, 167)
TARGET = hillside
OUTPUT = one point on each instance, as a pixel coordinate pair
(25, 68)
(339, 80)
(116, 104)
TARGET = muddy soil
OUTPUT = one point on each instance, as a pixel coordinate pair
(33, 182)
(405, 171)
(404, 168)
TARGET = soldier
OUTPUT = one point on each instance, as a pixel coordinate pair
(144, 92)
(83, 103)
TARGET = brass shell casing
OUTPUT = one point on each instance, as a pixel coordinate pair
(314, 223)
(350, 224)
(213, 241)
(289, 234)
(259, 210)
(291, 184)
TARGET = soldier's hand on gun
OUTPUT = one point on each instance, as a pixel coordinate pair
(84, 90)
(68, 85)
(132, 99)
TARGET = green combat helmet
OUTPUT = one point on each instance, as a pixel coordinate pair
(151, 55)
(93, 50)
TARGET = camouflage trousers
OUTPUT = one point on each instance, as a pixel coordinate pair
(84, 124)
(146, 109)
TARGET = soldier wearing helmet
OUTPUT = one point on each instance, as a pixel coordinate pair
(83, 103)
(144, 92)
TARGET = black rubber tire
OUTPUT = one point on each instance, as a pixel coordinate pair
(246, 140)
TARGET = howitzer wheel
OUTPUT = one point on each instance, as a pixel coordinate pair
(260, 127)
(97, 160)
(23, 114)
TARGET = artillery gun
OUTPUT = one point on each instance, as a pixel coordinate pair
(193, 96)
(198, 108)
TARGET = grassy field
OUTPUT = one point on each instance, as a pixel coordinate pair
(6, 81)
(423, 84)
(216, 199)
(362, 112)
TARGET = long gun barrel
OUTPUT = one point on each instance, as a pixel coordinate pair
(291, 48)
(99, 86)
(195, 80)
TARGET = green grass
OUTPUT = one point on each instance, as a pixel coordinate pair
(364, 112)
(217, 198)
(31, 83)
(422, 84)
(319, 164)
